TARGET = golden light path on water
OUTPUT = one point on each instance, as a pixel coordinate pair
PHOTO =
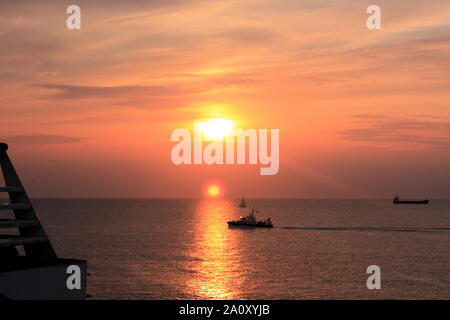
(218, 271)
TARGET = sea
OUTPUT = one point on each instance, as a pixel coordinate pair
(318, 249)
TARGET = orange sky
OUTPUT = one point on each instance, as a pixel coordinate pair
(361, 113)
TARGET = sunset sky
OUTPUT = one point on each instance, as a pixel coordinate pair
(89, 113)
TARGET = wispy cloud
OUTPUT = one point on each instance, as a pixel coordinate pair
(376, 128)
(41, 139)
(82, 92)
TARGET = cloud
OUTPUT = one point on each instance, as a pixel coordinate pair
(80, 92)
(22, 43)
(100, 97)
(235, 79)
(424, 130)
(257, 36)
(42, 139)
(368, 116)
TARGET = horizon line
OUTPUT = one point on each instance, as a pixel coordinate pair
(228, 198)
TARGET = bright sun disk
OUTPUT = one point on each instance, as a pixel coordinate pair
(213, 190)
(216, 129)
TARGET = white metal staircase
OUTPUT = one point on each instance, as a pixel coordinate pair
(31, 233)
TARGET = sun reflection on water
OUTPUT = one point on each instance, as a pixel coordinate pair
(217, 270)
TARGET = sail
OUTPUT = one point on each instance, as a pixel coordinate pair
(243, 204)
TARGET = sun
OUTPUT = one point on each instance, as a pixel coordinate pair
(216, 129)
(213, 190)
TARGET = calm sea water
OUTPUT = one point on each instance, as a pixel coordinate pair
(319, 249)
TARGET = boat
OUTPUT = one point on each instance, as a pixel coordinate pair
(251, 222)
(30, 268)
(398, 201)
(243, 204)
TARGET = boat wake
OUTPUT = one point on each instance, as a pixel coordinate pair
(438, 230)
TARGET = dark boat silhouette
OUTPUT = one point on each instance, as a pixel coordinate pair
(250, 222)
(398, 201)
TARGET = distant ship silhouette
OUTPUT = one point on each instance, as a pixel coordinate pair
(250, 221)
(398, 201)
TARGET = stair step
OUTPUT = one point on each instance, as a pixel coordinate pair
(17, 241)
(18, 206)
(11, 189)
(13, 223)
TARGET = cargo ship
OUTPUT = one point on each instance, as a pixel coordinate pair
(398, 201)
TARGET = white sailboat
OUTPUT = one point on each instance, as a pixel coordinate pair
(243, 204)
